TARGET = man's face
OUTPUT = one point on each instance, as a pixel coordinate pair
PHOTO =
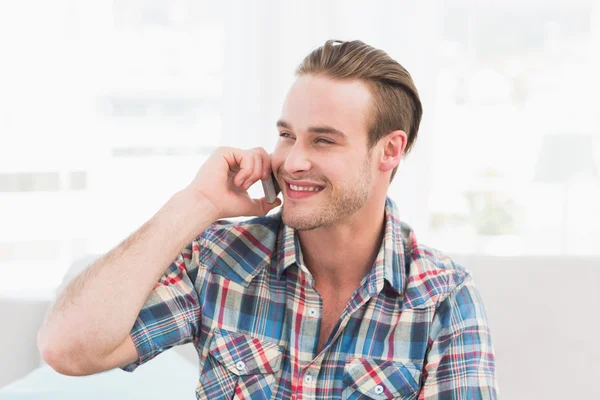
(321, 160)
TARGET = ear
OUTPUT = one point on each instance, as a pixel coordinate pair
(392, 149)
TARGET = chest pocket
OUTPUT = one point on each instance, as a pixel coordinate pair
(239, 366)
(371, 378)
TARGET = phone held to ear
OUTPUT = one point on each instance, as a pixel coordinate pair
(271, 189)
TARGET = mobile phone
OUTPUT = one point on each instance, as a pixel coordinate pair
(271, 188)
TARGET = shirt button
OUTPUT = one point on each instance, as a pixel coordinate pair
(240, 365)
(312, 312)
(308, 379)
(378, 389)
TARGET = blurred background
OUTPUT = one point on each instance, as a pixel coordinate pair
(107, 108)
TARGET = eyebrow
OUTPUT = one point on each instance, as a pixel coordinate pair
(314, 129)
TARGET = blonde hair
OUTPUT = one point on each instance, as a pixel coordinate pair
(396, 102)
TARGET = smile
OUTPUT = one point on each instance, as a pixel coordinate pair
(305, 188)
(302, 190)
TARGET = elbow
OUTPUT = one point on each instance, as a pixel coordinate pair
(60, 363)
(64, 359)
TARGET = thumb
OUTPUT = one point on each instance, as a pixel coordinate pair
(261, 207)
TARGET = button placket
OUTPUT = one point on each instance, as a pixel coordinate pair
(307, 388)
(308, 378)
(310, 326)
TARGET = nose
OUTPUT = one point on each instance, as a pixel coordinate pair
(297, 160)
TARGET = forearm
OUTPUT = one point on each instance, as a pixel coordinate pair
(96, 311)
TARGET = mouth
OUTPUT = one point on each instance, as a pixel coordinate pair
(302, 190)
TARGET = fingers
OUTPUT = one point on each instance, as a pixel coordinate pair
(243, 161)
(266, 162)
(248, 165)
(253, 165)
(256, 172)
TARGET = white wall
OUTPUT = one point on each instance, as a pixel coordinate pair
(543, 314)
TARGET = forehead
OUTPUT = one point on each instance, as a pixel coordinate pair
(317, 100)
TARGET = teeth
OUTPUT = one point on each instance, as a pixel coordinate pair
(305, 188)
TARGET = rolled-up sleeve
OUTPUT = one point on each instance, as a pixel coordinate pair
(171, 314)
(460, 363)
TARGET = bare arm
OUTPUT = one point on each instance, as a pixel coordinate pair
(87, 329)
(88, 326)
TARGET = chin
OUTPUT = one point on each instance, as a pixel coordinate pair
(299, 221)
(323, 211)
(308, 219)
(302, 220)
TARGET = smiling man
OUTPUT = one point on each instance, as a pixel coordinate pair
(331, 296)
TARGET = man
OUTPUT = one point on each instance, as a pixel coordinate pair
(331, 297)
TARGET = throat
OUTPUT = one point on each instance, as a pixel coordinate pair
(333, 307)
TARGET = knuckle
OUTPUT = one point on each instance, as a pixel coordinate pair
(260, 151)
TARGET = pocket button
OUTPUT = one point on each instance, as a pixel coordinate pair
(378, 389)
(240, 365)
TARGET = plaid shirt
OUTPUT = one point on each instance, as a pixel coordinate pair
(414, 328)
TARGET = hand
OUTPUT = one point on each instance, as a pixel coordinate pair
(225, 177)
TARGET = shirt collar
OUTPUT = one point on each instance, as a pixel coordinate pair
(289, 251)
(389, 265)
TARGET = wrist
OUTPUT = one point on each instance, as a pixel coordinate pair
(200, 205)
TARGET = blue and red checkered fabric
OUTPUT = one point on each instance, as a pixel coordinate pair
(415, 328)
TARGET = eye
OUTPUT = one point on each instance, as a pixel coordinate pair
(324, 141)
(285, 135)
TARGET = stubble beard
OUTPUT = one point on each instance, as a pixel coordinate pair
(343, 202)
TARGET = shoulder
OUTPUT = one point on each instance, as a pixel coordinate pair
(432, 275)
(239, 249)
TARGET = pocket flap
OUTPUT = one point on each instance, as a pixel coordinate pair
(381, 379)
(245, 355)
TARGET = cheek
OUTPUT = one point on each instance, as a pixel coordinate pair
(335, 171)
(346, 171)
(278, 157)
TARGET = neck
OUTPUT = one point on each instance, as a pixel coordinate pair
(340, 255)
